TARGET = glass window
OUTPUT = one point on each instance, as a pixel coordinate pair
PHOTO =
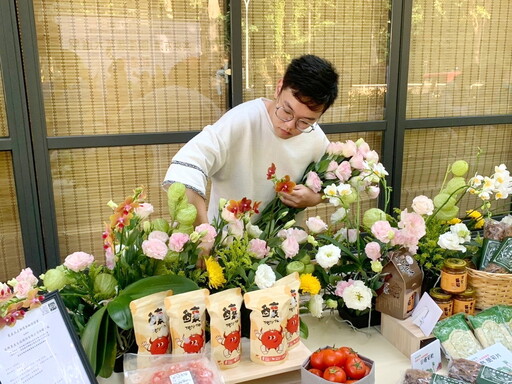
(353, 35)
(460, 58)
(111, 67)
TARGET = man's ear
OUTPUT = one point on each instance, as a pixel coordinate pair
(279, 88)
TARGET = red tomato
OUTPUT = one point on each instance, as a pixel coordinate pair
(355, 367)
(323, 358)
(335, 374)
(317, 360)
(348, 351)
(331, 358)
(351, 381)
(341, 357)
(316, 371)
(368, 369)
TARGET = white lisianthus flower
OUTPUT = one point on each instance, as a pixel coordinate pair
(357, 296)
(462, 232)
(253, 230)
(316, 225)
(315, 305)
(328, 255)
(450, 240)
(339, 215)
(265, 276)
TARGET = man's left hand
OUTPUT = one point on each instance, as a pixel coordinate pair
(301, 197)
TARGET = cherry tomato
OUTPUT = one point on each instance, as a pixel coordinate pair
(316, 371)
(355, 367)
(335, 374)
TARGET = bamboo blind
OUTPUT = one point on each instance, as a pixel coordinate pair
(353, 35)
(428, 153)
(460, 58)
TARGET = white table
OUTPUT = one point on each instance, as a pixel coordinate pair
(331, 330)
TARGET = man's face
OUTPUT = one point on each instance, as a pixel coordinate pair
(289, 108)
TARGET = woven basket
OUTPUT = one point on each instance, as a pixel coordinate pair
(491, 288)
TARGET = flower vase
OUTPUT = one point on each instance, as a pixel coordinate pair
(359, 321)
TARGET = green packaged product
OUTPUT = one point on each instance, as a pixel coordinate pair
(489, 248)
(417, 376)
(490, 328)
(475, 373)
(456, 337)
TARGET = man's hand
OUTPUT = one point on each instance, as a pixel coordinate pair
(301, 197)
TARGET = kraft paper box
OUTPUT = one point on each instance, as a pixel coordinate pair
(310, 378)
(402, 288)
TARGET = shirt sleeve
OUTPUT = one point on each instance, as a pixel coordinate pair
(198, 160)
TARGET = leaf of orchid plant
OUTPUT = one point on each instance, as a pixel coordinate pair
(110, 347)
(90, 338)
(119, 309)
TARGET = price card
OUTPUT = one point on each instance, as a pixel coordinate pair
(427, 358)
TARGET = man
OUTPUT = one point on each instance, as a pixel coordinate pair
(236, 151)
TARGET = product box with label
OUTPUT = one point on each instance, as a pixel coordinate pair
(402, 287)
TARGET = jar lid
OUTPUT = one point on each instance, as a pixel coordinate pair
(469, 292)
(438, 293)
(455, 263)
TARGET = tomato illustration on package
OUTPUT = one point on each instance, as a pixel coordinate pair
(225, 327)
(292, 283)
(187, 321)
(150, 323)
(269, 314)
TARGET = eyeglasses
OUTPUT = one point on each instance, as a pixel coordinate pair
(286, 116)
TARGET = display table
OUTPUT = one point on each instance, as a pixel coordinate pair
(331, 330)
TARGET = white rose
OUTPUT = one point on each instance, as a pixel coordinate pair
(450, 240)
(315, 305)
(422, 205)
(328, 255)
(265, 277)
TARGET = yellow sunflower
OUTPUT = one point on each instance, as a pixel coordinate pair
(215, 273)
(309, 284)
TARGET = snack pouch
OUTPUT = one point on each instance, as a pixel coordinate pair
(225, 327)
(456, 337)
(501, 261)
(417, 376)
(490, 328)
(268, 345)
(187, 321)
(292, 332)
(474, 373)
(150, 323)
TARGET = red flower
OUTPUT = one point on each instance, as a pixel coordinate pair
(238, 208)
(271, 171)
(285, 185)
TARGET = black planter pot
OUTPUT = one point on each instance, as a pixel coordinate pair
(245, 321)
(359, 321)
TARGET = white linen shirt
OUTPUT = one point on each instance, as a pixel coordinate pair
(235, 153)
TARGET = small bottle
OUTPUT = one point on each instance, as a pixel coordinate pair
(454, 276)
(465, 302)
(443, 300)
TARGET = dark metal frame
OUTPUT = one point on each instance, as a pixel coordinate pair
(30, 146)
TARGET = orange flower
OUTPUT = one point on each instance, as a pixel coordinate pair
(271, 171)
(285, 185)
(238, 208)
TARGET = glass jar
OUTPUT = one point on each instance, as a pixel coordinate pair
(454, 276)
(443, 300)
(465, 302)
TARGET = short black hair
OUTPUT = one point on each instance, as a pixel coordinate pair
(313, 81)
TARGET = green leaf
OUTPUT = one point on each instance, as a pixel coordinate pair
(119, 309)
(90, 339)
(304, 330)
(109, 352)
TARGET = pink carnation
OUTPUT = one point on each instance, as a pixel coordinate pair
(155, 249)
(258, 248)
(177, 241)
(313, 182)
(372, 250)
(344, 171)
(290, 246)
(78, 261)
(28, 276)
(383, 231)
(340, 287)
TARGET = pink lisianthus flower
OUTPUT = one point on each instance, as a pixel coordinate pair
(344, 171)
(258, 248)
(313, 182)
(402, 237)
(412, 223)
(155, 249)
(110, 259)
(357, 162)
(28, 276)
(340, 287)
(335, 148)
(299, 235)
(329, 173)
(363, 149)
(422, 205)
(236, 228)
(383, 231)
(159, 235)
(78, 261)
(372, 250)
(316, 225)
(349, 148)
(144, 210)
(208, 233)
(372, 157)
(177, 241)
(373, 191)
(290, 246)
(21, 289)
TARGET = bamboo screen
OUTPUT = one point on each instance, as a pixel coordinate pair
(129, 66)
(11, 246)
(428, 153)
(353, 35)
(460, 58)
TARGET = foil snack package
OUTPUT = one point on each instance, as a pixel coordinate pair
(150, 323)
(225, 327)
(187, 321)
(268, 345)
(292, 331)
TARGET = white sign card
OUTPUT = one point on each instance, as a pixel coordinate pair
(496, 356)
(43, 348)
(426, 314)
(427, 358)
